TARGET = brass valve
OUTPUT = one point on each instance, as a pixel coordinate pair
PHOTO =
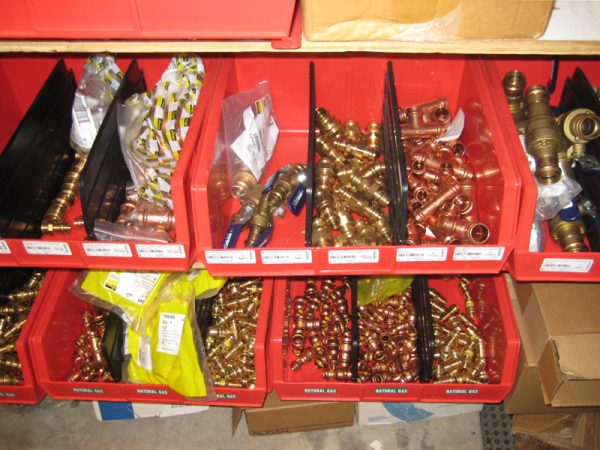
(569, 234)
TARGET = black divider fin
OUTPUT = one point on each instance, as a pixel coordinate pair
(112, 345)
(311, 156)
(105, 176)
(35, 160)
(354, 322)
(424, 323)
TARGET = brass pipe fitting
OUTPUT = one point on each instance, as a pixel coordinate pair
(569, 234)
(514, 86)
(580, 126)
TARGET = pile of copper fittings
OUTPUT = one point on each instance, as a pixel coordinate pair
(320, 331)
(460, 349)
(231, 338)
(442, 201)
(13, 316)
(89, 363)
(388, 340)
(350, 194)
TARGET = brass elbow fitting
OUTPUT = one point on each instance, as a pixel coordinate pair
(580, 126)
(569, 234)
(542, 135)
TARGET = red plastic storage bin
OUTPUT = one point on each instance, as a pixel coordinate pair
(147, 19)
(29, 391)
(551, 264)
(500, 334)
(22, 76)
(52, 344)
(352, 87)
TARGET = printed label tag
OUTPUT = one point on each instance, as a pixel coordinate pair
(133, 286)
(144, 355)
(369, 256)
(320, 391)
(421, 254)
(463, 253)
(286, 256)
(103, 249)
(462, 391)
(230, 256)
(170, 328)
(391, 390)
(47, 248)
(566, 265)
(4, 248)
(160, 251)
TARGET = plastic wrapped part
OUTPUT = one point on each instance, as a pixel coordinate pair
(373, 289)
(250, 134)
(108, 231)
(537, 239)
(100, 81)
(153, 127)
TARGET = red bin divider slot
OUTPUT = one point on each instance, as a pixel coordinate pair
(351, 87)
(500, 334)
(29, 391)
(24, 75)
(551, 264)
(52, 344)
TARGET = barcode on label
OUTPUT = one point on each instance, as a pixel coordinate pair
(566, 265)
(286, 256)
(160, 251)
(103, 249)
(81, 110)
(4, 248)
(478, 253)
(230, 256)
(47, 248)
(421, 254)
(369, 256)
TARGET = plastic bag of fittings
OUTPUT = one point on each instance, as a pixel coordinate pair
(371, 289)
(167, 347)
(250, 133)
(153, 127)
(100, 80)
(108, 231)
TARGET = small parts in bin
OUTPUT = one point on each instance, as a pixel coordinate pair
(460, 350)
(89, 361)
(388, 340)
(442, 203)
(230, 340)
(350, 194)
(320, 331)
(13, 315)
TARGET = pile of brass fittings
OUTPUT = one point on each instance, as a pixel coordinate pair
(320, 331)
(460, 350)
(89, 363)
(265, 205)
(54, 219)
(13, 315)
(388, 340)
(442, 204)
(231, 338)
(350, 194)
(555, 143)
(139, 214)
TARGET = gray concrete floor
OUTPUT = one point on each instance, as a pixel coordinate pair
(73, 425)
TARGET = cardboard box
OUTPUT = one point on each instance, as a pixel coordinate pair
(277, 416)
(561, 431)
(436, 20)
(377, 413)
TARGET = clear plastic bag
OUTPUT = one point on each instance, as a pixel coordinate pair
(108, 231)
(100, 80)
(250, 134)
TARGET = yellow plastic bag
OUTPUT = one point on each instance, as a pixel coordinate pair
(371, 289)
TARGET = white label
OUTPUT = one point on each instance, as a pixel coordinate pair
(412, 254)
(84, 130)
(133, 286)
(103, 249)
(230, 256)
(566, 265)
(286, 256)
(464, 253)
(160, 251)
(47, 248)
(4, 249)
(144, 358)
(370, 256)
(170, 328)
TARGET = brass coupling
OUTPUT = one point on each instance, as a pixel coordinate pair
(514, 84)
(569, 234)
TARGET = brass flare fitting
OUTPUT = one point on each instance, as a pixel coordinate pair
(569, 234)
(514, 83)
(231, 340)
(542, 135)
(349, 194)
(89, 363)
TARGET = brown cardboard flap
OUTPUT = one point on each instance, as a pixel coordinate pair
(557, 425)
(587, 432)
(578, 356)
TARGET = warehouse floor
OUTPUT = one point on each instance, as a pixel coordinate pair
(73, 425)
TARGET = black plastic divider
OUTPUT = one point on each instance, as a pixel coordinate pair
(426, 337)
(105, 176)
(310, 181)
(11, 279)
(112, 345)
(37, 157)
(355, 332)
